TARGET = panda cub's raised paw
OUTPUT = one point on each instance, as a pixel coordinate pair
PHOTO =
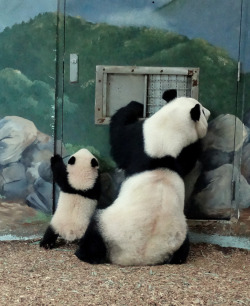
(54, 159)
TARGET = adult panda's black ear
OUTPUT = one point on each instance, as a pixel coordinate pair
(94, 163)
(169, 95)
(196, 112)
(72, 160)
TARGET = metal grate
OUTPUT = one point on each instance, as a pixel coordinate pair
(157, 84)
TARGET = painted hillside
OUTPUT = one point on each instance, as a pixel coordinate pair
(107, 44)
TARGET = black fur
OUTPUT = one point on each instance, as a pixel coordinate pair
(126, 138)
(60, 175)
(92, 248)
(169, 95)
(127, 145)
(196, 112)
(180, 256)
(72, 160)
(94, 163)
(49, 239)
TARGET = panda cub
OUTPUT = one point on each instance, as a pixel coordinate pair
(146, 225)
(79, 191)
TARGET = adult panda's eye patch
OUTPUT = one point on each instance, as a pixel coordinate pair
(72, 160)
(195, 112)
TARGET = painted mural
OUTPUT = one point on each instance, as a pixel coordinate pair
(41, 112)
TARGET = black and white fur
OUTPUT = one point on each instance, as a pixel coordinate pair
(146, 224)
(127, 140)
(79, 191)
(191, 153)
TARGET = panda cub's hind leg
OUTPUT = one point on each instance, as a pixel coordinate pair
(49, 239)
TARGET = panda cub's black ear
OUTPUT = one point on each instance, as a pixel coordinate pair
(196, 112)
(72, 160)
(169, 95)
(94, 163)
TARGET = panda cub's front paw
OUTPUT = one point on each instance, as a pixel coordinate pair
(55, 159)
(49, 239)
(47, 244)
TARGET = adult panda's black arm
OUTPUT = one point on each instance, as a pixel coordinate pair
(49, 239)
(127, 115)
(124, 130)
(92, 248)
(189, 156)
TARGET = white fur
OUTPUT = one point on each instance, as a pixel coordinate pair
(171, 129)
(74, 211)
(146, 222)
(81, 175)
(72, 215)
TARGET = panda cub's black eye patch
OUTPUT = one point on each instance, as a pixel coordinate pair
(94, 162)
(72, 160)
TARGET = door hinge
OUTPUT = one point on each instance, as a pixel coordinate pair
(239, 71)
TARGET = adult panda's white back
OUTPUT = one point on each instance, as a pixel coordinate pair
(170, 129)
(145, 224)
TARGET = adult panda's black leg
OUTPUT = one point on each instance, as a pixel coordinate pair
(92, 248)
(49, 238)
(180, 256)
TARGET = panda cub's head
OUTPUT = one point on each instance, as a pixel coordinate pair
(176, 125)
(82, 169)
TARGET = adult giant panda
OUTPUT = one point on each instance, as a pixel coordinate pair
(146, 225)
(80, 189)
(127, 144)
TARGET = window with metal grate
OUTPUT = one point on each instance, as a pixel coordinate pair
(116, 86)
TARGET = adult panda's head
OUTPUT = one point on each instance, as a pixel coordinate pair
(176, 125)
(82, 169)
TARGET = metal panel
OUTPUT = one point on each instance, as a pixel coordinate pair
(73, 75)
(123, 88)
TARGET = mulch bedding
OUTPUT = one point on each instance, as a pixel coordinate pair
(212, 275)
